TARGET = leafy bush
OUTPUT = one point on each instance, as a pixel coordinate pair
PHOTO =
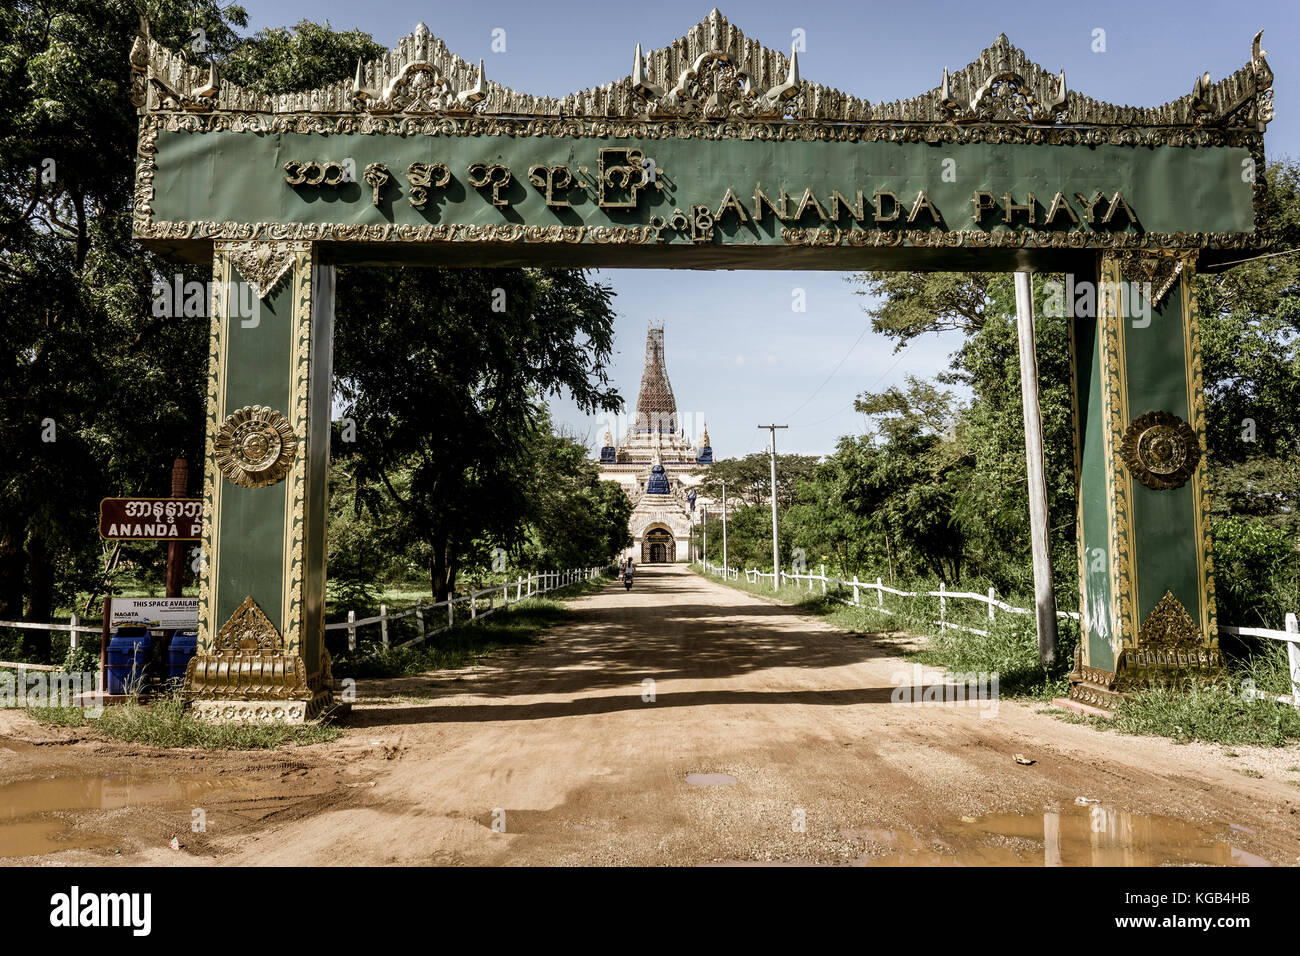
(1255, 572)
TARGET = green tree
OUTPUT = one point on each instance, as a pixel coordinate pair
(97, 393)
(441, 383)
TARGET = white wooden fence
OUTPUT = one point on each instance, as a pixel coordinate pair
(753, 576)
(1291, 636)
(479, 604)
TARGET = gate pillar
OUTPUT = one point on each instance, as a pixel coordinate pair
(261, 651)
(1145, 573)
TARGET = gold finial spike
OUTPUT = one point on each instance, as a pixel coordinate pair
(209, 89)
(790, 88)
(1058, 99)
(639, 82)
(476, 92)
(359, 88)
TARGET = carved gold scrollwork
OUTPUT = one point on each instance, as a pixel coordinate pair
(1161, 271)
(713, 74)
(255, 446)
(263, 264)
(247, 660)
(1161, 450)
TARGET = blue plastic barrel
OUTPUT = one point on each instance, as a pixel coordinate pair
(183, 646)
(127, 658)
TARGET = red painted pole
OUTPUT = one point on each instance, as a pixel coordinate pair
(176, 549)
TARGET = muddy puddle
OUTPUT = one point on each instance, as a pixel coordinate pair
(48, 815)
(1076, 836)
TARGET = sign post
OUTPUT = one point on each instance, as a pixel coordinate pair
(175, 549)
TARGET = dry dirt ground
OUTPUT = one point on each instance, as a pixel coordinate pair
(768, 737)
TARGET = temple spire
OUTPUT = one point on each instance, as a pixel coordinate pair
(656, 408)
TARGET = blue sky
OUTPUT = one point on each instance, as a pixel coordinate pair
(736, 353)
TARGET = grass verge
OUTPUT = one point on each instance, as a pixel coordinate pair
(166, 721)
(462, 645)
(1224, 711)
(1010, 649)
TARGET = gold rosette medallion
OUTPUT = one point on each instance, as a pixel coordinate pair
(255, 446)
(1161, 450)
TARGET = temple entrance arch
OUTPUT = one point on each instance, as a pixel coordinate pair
(658, 546)
(713, 153)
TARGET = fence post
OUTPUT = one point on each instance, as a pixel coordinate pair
(473, 606)
(990, 605)
(352, 630)
(823, 580)
(519, 588)
(72, 632)
(1293, 657)
(855, 587)
(383, 623)
(419, 619)
(880, 594)
(943, 607)
(451, 608)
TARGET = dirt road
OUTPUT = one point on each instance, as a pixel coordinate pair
(683, 723)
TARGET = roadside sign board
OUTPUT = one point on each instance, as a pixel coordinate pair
(154, 612)
(151, 519)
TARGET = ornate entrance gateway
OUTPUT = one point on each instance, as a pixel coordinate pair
(713, 153)
(658, 547)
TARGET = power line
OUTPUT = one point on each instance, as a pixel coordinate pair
(881, 378)
(1267, 255)
(838, 366)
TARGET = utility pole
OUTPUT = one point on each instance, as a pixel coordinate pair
(1044, 596)
(776, 553)
(704, 534)
(724, 531)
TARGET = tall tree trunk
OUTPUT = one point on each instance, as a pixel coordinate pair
(453, 565)
(40, 598)
(441, 576)
(13, 567)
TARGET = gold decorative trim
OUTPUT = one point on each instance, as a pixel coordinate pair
(247, 660)
(262, 264)
(752, 93)
(1200, 481)
(1161, 270)
(255, 446)
(1093, 685)
(714, 72)
(1169, 625)
(1008, 239)
(1170, 645)
(209, 578)
(294, 581)
(620, 235)
(1161, 450)
(1123, 623)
